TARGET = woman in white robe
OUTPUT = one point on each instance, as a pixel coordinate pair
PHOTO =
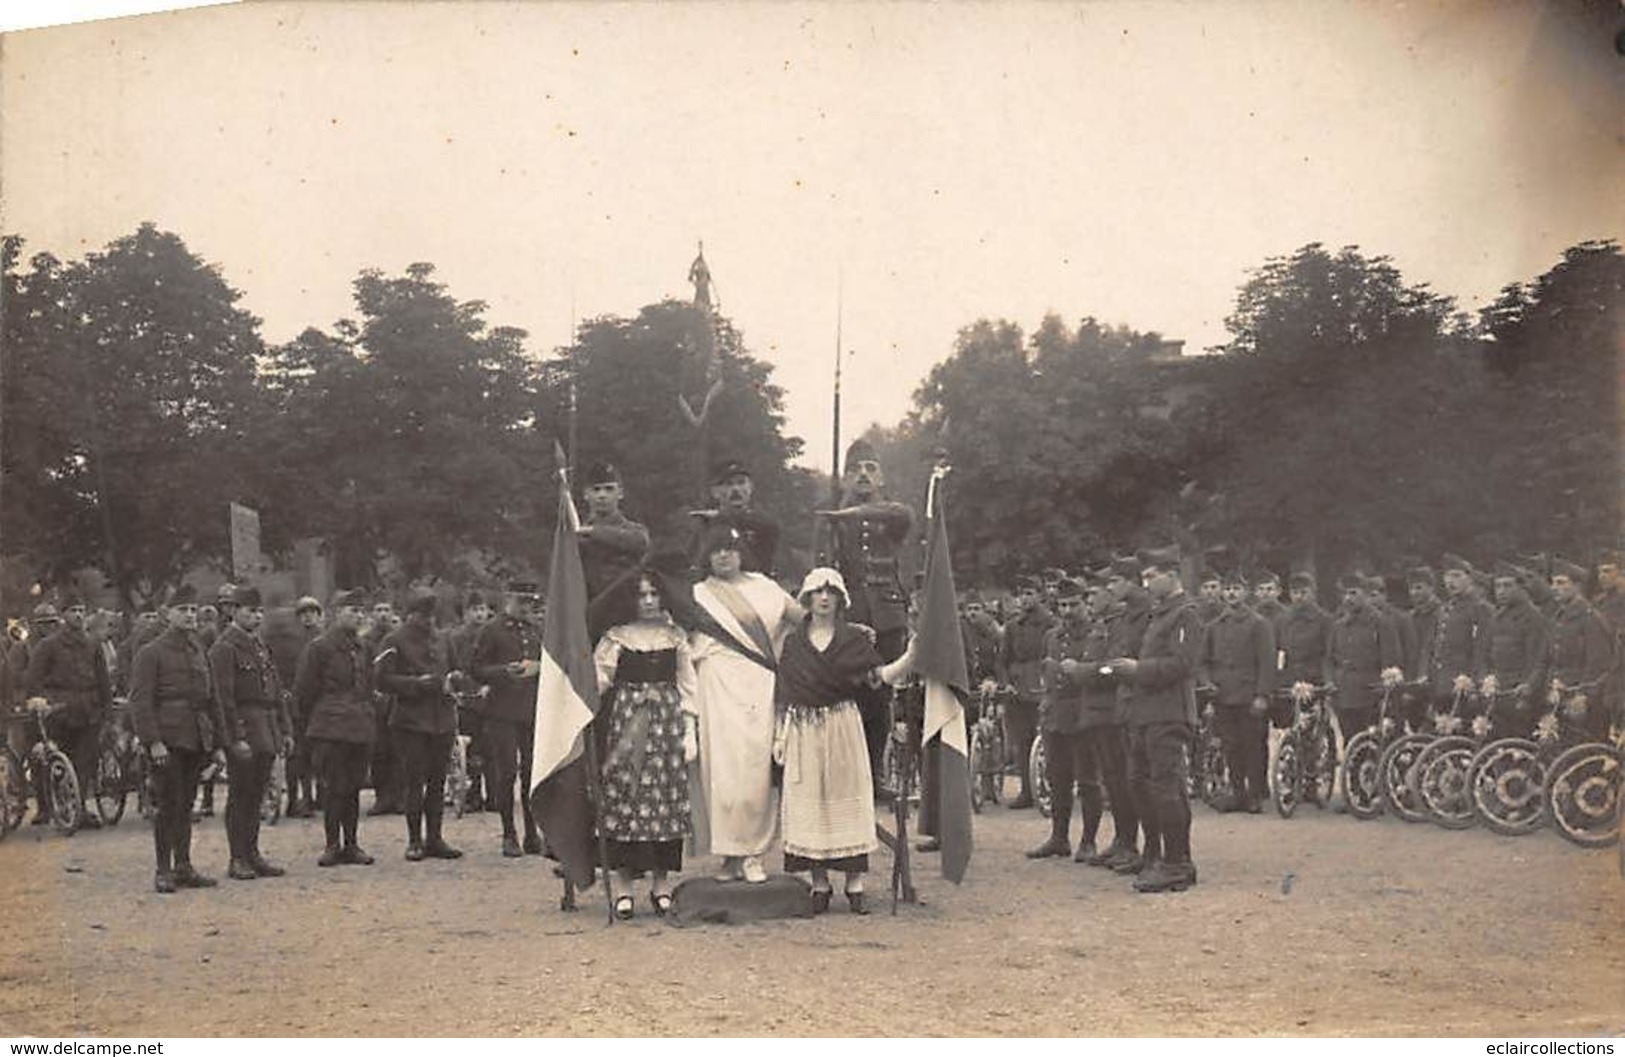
(745, 616)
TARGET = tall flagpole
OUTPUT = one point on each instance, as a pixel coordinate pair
(835, 432)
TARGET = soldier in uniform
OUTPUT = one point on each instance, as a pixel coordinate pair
(1582, 649)
(1210, 604)
(1361, 646)
(256, 723)
(471, 700)
(612, 544)
(384, 769)
(1267, 599)
(412, 667)
(732, 491)
(1023, 655)
(178, 720)
(1611, 604)
(300, 772)
(865, 540)
(68, 670)
(1518, 638)
(1161, 719)
(1455, 660)
(1238, 661)
(1123, 610)
(333, 690)
(507, 658)
(1074, 649)
(148, 626)
(1304, 634)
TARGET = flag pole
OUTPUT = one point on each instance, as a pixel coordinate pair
(567, 901)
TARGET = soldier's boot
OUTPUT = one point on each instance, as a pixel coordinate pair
(1056, 847)
(241, 870)
(436, 846)
(1024, 794)
(1087, 853)
(264, 867)
(414, 837)
(187, 877)
(1117, 854)
(333, 855)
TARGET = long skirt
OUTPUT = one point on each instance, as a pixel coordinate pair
(645, 783)
(828, 800)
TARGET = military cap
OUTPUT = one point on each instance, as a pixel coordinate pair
(349, 598)
(1069, 588)
(475, 598)
(423, 602)
(1562, 567)
(1351, 582)
(1158, 557)
(1421, 574)
(727, 468)
(1608, 558)
(859, 450)
(972, 597)
(1053, 576)
(1456, 563)
(247, 596)
(1029, 583)
(1126, 567)
(305, 604)
(1505, 570)
(524, 587)
(1374, 583)
(1233, 578)
(1300, 580)
(601, 472)
(1265, 576)
(45, 613)
(185, 595)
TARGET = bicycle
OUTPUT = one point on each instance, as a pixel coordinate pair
(458, 780)
(1399, 796)
(44, 758)
(987, 751)
(1306, 763)
(1208, 776)
(121, 766)
(1442, 773)
(1583, 785)
(1360, 772)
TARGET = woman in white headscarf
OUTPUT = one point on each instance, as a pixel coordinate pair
(828, 799)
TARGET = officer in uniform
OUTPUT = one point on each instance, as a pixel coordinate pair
(1455, 660)
(1582, 650)
(1074, 649)
(1238, 661)
(1023, 656)
(470, 693)
(333, 690)
(412, 667)
(1123, 610)
(1161, 719)
(1361, 646)
(864, 543)
(732, 493)
(178, 719)
(256, 723)
(612, 544)
(68, 671)
(1519, 640)
(507, 658)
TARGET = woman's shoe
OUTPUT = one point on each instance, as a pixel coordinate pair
(856, 903)
(661, 901)
(820, 900)
(732, 870)
(624, 908)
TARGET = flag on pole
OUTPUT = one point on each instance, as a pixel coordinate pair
(566, 701)
(939, 658)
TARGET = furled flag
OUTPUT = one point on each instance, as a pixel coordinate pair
(939, 658)
(566, 701)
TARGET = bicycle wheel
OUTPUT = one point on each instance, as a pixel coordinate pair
(1215, 773)
(13, 792)
(1288, 777)
(1038, 768)
(975, 764)
(1320, 770)
(1582, 794)
(1441, 774)
(457, 777)
(111, 786)
(1397, 794)
(1360, 775)
(67, 809)
(1507, 783)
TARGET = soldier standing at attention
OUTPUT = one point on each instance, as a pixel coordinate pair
(612, 544)
(412, 667)
(507, 658)
(256, 724)
(471, 701)
(1517, 658)
(1582, 650)
(1362, 645)
(69, 671)
(1068, 751)
(1267, 599)
(1456, 659)
(866, 536)
(1238, 661)
(334, 689)
(176, 718)
(384, 768)
(732, 493)
(1161, 720)
(1023, 656)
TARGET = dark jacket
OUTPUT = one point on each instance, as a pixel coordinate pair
(1061, 707)
(983, 647)
(412, 667)
(1582, 650)
(1363, 643)
(68, 669)
(1305, 635)
(1023, 649)
(1238, 657)
(610, 548)
(503, 640)
(1164, 683)
(868, 552)
(1518, 646)
(170, 695)
(253, 707)
(1459, 646)
(333, 688)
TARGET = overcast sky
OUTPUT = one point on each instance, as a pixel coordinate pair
(939, 162)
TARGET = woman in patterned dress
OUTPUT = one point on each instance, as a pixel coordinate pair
(828, 805)
(649, 735)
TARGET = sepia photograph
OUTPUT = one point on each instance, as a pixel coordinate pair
(743, 520)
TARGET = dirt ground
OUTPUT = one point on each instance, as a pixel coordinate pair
(1319, 925)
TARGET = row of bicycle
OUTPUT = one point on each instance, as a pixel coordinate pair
(45, 773)
(1458, 774)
